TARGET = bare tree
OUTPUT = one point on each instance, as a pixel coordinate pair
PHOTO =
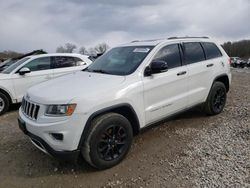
(101, 48)
(60, 49)
(238, 48)
(92, 52)
(83, 50)
(67, 48)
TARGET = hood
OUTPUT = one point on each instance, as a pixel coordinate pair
(76, 85)
(4, 76)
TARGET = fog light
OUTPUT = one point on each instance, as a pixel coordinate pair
(57, 136)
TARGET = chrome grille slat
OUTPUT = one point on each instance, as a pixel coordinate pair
(33, 112)
(37, 110)
(25, 106)
(30, 109)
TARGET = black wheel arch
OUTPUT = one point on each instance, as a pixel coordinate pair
(224, 79)
(124, 109)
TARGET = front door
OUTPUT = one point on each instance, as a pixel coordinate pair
(166, 93)
(40, 71)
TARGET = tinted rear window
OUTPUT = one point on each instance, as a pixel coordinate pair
(63, 62)
(193, 52)
(211, 50)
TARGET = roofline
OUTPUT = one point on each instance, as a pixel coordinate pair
(170, 38)
(58, 54)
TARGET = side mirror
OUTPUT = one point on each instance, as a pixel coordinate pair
(80, 63)
(156, 66)
(24, 71)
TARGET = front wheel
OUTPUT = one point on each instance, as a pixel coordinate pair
(109, 140)
(216, 99)
(4, 103)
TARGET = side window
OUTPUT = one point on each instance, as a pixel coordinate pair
(63, 62)
(79, 61)
(211, 50)
(39, 64)
(193, 52)
(170, 54)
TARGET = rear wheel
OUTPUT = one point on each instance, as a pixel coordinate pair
(4, 103)
(108, 141)
(216, 99)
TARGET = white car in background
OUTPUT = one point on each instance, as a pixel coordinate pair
(31, 70)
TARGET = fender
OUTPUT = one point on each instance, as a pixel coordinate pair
(114, 108)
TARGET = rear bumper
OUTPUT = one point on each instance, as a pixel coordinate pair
(71, 156)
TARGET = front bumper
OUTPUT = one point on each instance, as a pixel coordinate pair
(40, 133)
(71, 156)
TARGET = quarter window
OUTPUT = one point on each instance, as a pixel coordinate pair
(211, 50)
(170, 54)
(193, 52)
(39, 64)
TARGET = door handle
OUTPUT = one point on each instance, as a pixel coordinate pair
(210, 65)
(181, 73)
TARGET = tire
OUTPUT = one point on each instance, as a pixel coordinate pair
(108, 141)
(216, 99)
(4, 103)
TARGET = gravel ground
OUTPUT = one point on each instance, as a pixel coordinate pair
(191, 150)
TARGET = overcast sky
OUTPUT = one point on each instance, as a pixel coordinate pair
(26, 25)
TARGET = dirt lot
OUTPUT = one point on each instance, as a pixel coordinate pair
(191, 150)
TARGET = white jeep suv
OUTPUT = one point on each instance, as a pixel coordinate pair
(95, 113)
(31, 70)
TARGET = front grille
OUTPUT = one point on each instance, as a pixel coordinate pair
(30, 109)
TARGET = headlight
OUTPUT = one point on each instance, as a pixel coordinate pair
(60, 110)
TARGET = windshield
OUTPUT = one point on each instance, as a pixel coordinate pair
(120, 60)
(15, 65)
(7, 63)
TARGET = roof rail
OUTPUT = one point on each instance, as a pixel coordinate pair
(204, 37)
(147, 40)
(170, 38)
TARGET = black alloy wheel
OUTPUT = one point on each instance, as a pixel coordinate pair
(216, 99)
(219, 100)
(108, 140)
(112, 142)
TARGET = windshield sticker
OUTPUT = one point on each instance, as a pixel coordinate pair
(141, 50)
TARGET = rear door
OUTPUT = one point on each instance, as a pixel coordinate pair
(40, 71)
(200, 72)
(66, 64)
(166, 93)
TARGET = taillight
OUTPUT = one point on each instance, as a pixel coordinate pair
(230, 61)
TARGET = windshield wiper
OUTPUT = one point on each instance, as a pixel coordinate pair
(99, 71)
(96, 70)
